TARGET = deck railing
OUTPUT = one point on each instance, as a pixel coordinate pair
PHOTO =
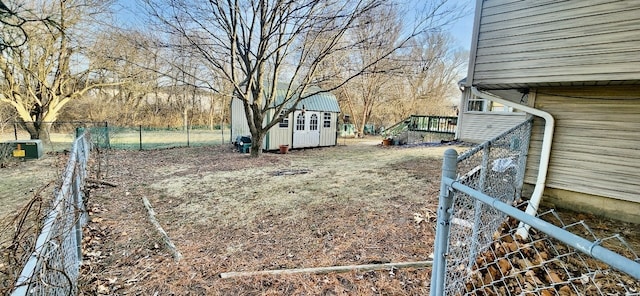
(423, 123)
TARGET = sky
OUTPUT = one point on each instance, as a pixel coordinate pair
(462, 29)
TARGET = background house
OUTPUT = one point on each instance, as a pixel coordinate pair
(480, 120)
(313, 124)
(578, 61)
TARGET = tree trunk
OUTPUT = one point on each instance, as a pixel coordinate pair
(185, 118)
(38, 130)
(256, 143)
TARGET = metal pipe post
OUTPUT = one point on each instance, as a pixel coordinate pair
(449, 167)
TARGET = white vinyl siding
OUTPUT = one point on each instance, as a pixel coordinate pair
(551, 43)
(595, 144)
(480, 127)
(483, 119)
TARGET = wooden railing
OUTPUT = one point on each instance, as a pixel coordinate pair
(424, 123)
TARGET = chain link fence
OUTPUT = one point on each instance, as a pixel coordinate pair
(542, 265)
(53, 266)
(478, 251)
(60, 135)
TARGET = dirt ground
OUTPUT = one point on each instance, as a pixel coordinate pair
(346, 205)
(358, 203)
(19, 180)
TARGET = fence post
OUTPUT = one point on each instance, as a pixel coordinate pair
(15, 130)
(140, 132)
(449, 167)
(106, 135)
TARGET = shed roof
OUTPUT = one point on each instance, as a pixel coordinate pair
(322, 101)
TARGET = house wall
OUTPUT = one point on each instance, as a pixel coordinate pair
(549, 42)
(595, 145)
(479, 127)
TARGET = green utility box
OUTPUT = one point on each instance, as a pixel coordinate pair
(27, 149)
(245, 148)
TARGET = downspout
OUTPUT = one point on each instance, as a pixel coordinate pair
(536, 196)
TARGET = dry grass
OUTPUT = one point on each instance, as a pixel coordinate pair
(351, 204)
(26, 189)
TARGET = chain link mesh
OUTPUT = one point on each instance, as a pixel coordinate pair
(484, 255)
(495, 168)
(53, 268)
(540, 265)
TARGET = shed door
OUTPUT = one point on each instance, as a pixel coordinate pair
(306, 129)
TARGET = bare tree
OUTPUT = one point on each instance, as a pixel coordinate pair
(379, 28)
(40, 77)
(13, 19)
(432, 76)
(259, 45)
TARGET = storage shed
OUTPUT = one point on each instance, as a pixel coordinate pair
(313, 123)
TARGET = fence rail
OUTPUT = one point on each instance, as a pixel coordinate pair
(477, 250)
(53, 268)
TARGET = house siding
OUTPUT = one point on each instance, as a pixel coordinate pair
(480, 127)
(554, 42)
(596, 140)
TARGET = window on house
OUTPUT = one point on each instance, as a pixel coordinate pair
(326, 118)
(477, 104)
(284, 120)
(497, 107)
(313, 124)
(481, 105)
(300, 122)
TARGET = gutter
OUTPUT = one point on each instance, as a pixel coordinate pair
(536, 196)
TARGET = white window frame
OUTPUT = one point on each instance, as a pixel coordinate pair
(487, 106)
(300, 123)
(326, 119)
(284, 120)
(313, 122)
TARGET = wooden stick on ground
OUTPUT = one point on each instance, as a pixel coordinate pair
(167, 241)
(101, 182)
(347, 268)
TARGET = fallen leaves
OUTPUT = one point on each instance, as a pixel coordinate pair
(540, 266)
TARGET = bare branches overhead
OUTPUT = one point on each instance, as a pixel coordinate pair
(258, 45)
